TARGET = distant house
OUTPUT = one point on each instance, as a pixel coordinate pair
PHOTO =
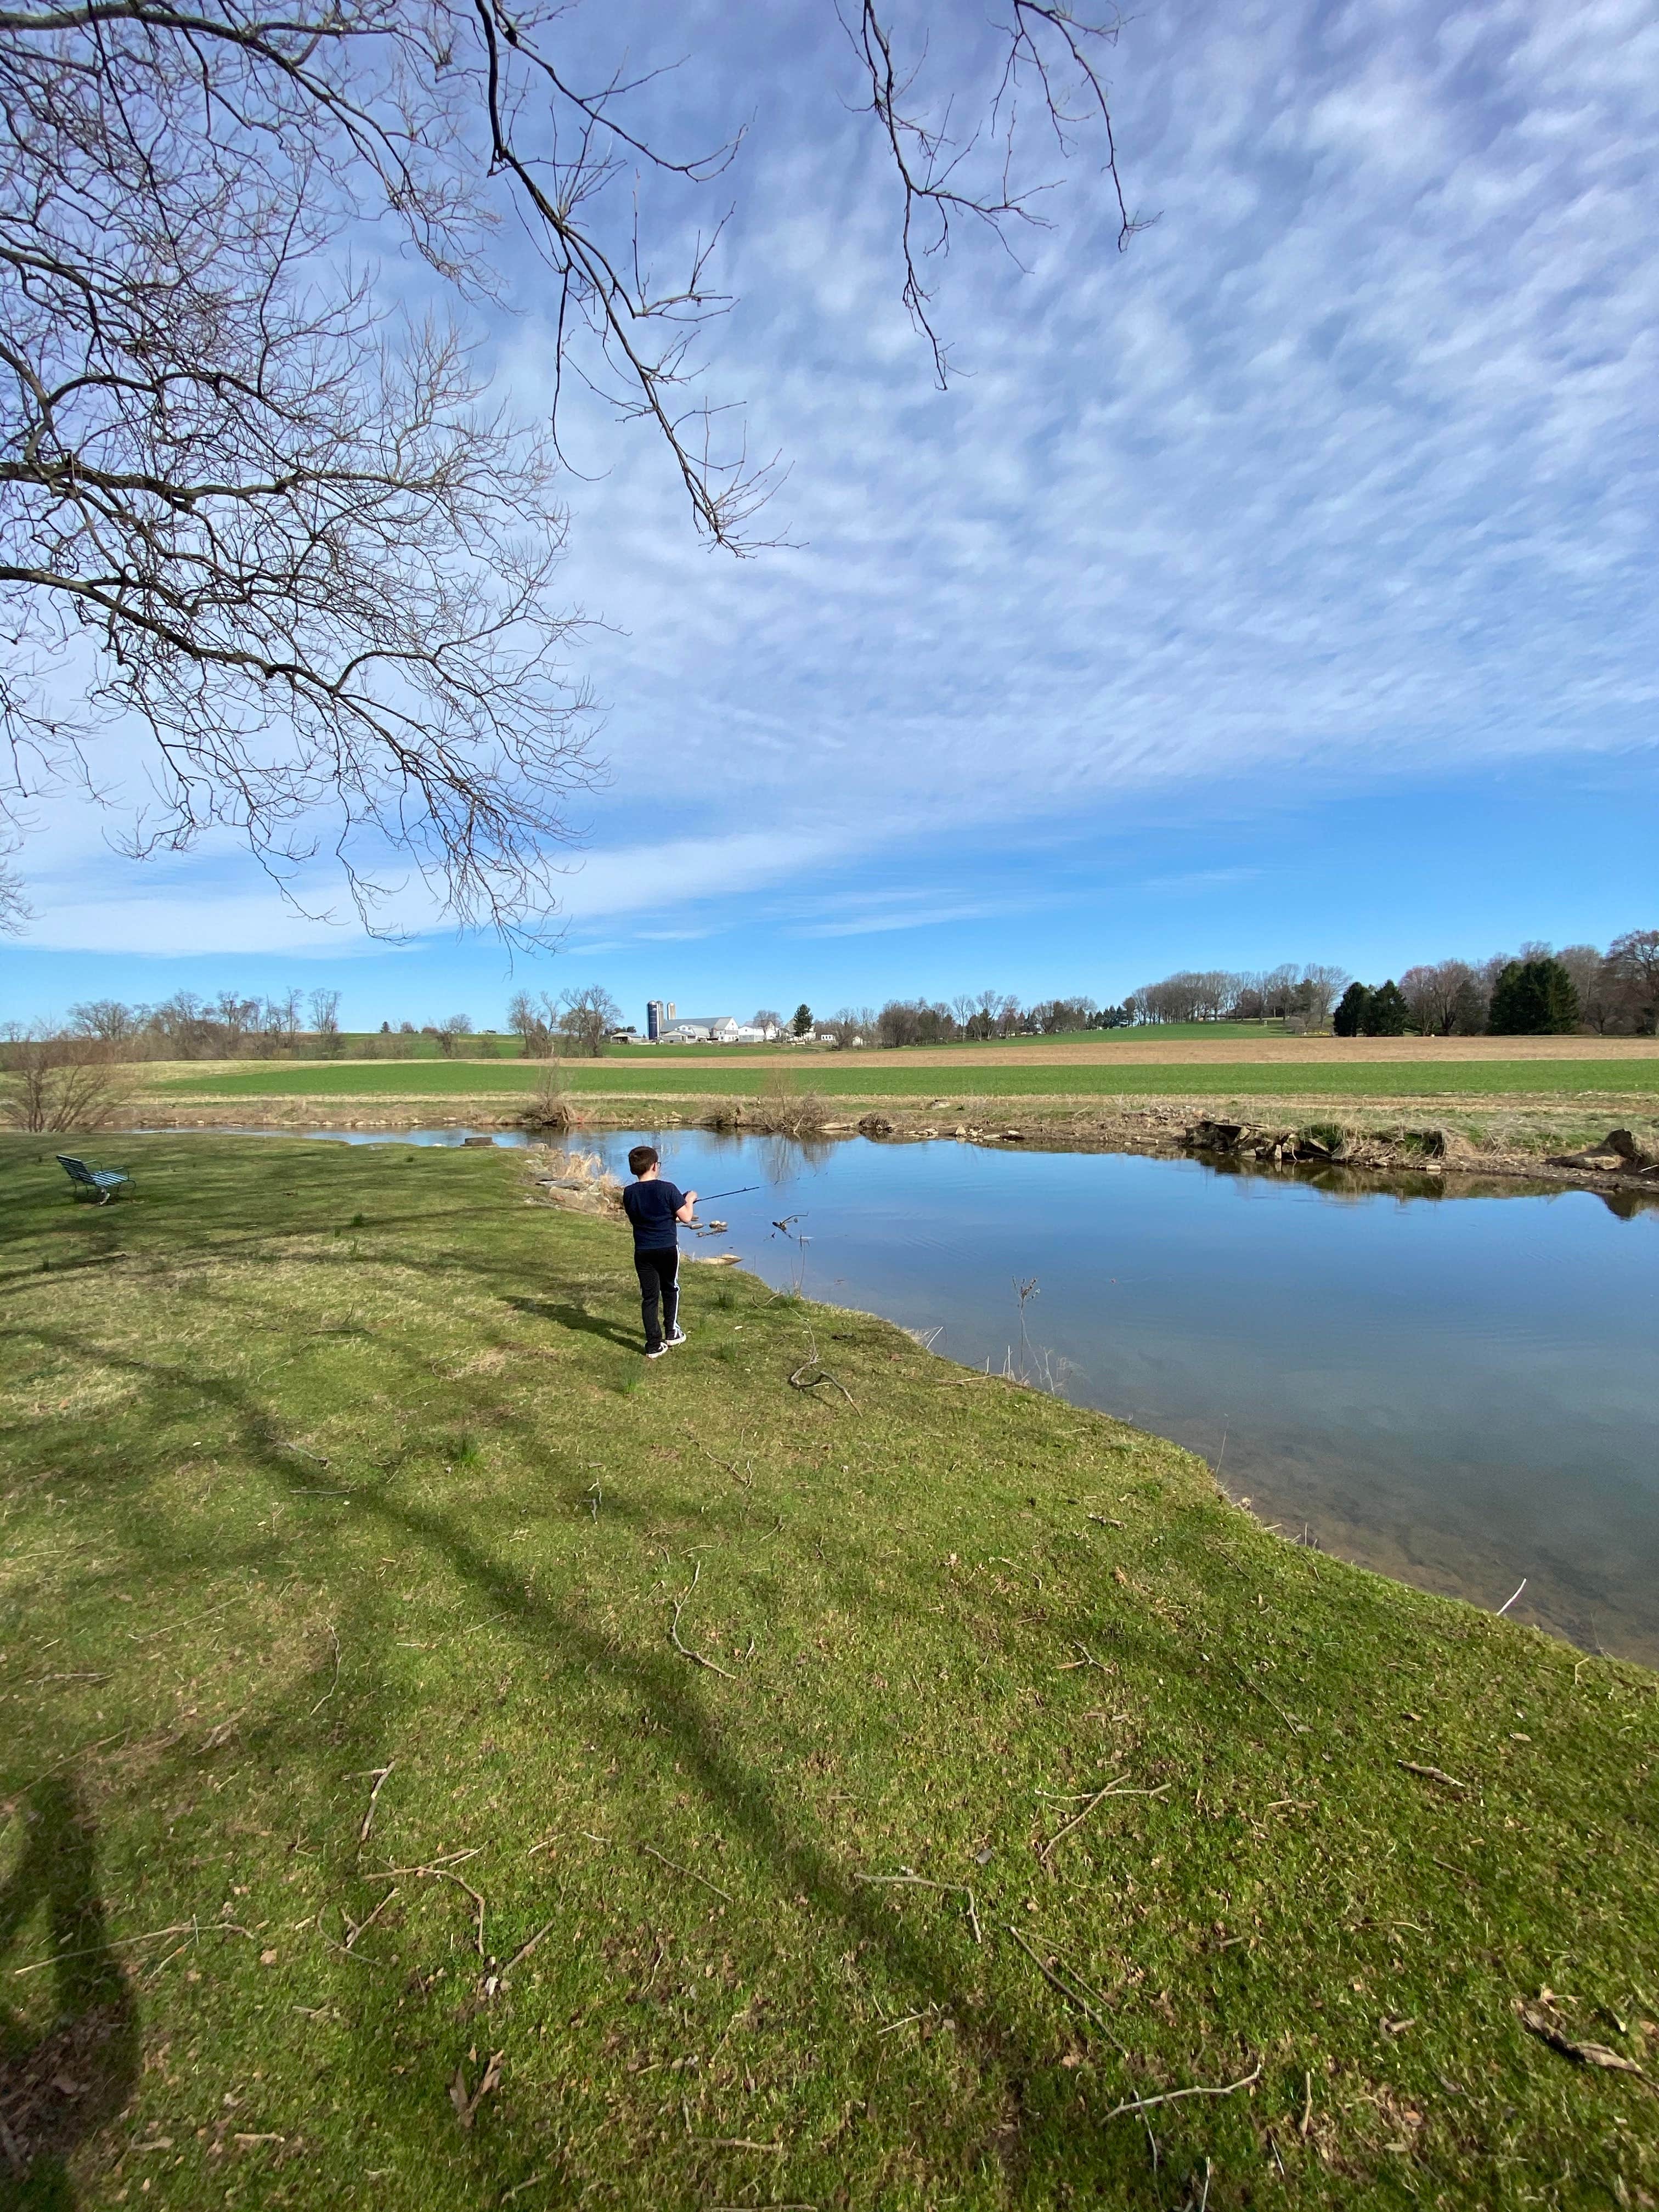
(700, 1029)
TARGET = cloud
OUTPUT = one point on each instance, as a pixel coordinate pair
(1349, 468)
(877, 924)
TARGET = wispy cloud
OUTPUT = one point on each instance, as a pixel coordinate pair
(1350, 466)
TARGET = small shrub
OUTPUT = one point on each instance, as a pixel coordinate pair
(551, 1106)
(52, 1084)
(782, 1111)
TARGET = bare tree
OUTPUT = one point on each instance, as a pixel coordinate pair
(1431, 995)
(106, 1020)
(15, 909)
(326, 1020)
(1318, 993)
(1595, 983)
(450, 1031)
(57, 1084)
(586, 1017)
(532, 1019)
(314, 561)
(1633, 960)
(768, 1020)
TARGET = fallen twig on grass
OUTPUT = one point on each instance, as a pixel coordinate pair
(1086, 2001)
(906, 1880)
(428, 1866)
(466, 2106)
(433, 1868)
(358, 1926)
(1070, 1666)
(114, 1943)
(335, 1684)
(1509, 1601)
(651, 1851)
(714, 1459)
(145, 1635)
(1169, 2096)
(695, 1658)
(824, 1375)
(1431, 1773)
(524, 1949)
(1582, 2054)
(380, 1774)
(1112, 1789)
(1296, 1726)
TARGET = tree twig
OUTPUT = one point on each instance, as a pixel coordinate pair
(380, 1774)
(1112, 1789)
(1432, 1773)
(1169, 2096)
(358, 1926)
(651, 1851)
(695, 1658)
(907, 1880)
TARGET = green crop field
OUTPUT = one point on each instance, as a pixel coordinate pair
(892, 1078)
(445, 1763)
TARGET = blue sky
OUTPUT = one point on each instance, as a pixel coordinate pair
(1280, 589)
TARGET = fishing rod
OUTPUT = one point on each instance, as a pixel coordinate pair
(707, 1197)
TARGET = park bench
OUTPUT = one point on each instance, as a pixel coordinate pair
(103, 1182)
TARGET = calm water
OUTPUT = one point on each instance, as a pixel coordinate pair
(1458, 1391)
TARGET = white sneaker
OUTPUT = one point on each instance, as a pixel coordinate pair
(658, 1353)
(677, 1337)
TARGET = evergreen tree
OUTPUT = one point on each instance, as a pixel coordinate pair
(1533, 998)
(802, 1022)
(1349, 1019)
(1387, 1013)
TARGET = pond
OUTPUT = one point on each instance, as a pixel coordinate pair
(1458, 1390)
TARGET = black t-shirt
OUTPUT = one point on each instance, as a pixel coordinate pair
(651, 1206)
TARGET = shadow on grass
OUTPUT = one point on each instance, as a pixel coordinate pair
(59, 2087)
(578, 1319)
(756, 1799)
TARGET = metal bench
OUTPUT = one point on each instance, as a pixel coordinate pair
(103, 1182)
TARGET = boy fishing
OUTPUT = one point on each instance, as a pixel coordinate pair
(654, 1208)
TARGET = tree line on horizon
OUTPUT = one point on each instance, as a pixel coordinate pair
(1538, 991)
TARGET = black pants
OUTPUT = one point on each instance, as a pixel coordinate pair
(660, 1282)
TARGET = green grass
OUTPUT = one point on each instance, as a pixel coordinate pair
(894, 1077)
(292, 1500)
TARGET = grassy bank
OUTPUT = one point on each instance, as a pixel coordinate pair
(856, 1080)
(444, 1757)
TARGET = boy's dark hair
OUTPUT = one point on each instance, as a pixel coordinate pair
(642, 1157)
